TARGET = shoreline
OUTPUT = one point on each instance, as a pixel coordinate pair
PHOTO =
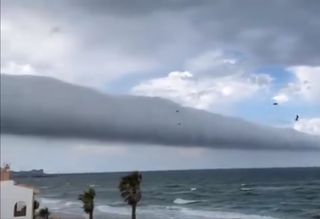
(65, 216)
(75, 216)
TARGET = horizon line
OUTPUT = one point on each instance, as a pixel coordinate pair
(172, 170)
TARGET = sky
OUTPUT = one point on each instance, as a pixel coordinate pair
(230, 58)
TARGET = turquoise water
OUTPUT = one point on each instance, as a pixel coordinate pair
(292, 193)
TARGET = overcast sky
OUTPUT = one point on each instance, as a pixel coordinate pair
(234, 58)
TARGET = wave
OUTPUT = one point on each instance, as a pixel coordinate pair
(247, 184)
(49, 201)
(172, 186)
(151, 211)
(250, 187)
(117, 204)
(181, 201)
(246, 189)
(182, 192)
(60, 205)
(178, 192)
(72, 203)
(220, 214)
(278, 188)
(114, 210)
(184, 212)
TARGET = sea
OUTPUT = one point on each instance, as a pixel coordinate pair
(274, 193)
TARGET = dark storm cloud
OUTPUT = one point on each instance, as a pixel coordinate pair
(272, 32)
(268, 32)
(47, 107)
(135, 8)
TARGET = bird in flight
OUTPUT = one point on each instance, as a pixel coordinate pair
(275, 103)
(297, 118)
(177, 111)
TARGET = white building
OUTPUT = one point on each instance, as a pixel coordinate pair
(16, 200)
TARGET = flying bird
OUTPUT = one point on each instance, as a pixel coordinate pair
(297, 118)
(275, 103)
(177, 111)
(178, 123)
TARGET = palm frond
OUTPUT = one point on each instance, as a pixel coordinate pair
(87, 199)
(129, 187)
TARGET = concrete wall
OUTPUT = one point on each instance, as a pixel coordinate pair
(10, 195)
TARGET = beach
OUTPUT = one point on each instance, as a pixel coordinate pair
(65, 216)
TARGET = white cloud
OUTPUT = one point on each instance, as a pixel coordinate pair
(203, 92)
(310, 126)
(305, 86)
(281, 98)
(180, 75)
(214, 81)
(17, 69)
(309, 80)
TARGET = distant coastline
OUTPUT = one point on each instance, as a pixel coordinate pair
(29, 173)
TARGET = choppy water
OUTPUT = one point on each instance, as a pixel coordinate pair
(292, 193)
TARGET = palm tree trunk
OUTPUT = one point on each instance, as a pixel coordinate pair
(91, 215)
(133, 215)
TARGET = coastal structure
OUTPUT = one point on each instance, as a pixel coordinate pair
(16, 200)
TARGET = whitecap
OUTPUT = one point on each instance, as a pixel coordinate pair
(181, 201)
(193, 189)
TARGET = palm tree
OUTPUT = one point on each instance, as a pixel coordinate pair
(44, 213)
(129, 187)
(87, 199)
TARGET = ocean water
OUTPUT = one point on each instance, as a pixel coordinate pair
(286, 193)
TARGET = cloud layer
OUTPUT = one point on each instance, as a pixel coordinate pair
(97, 42)
(48, 107)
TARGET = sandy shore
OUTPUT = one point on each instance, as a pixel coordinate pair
(96, 216)
(65, 216)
